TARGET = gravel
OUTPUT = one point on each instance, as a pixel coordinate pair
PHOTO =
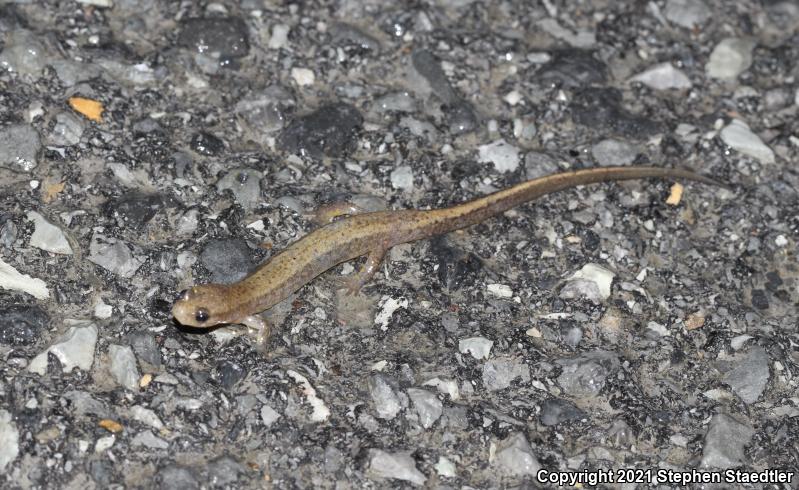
(597, 328)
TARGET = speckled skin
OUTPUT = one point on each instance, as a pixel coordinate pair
(372, 234)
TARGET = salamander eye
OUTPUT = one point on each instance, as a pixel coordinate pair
(201, 315)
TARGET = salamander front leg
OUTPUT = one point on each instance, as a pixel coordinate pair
(354, 283)
(327, 213)
(257, 328)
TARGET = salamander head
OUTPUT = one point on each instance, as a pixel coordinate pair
(200, 306)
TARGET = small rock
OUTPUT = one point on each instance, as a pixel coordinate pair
(445, 386)
(135, 209)
(586, 374)
(269, 415)
(145, 347)
(602, 107)
(395, 102)
(502, 154)
(611, 152)
(114, 255)
(461, 117)
(82, 403)
(445, 468)
(514, 456)
(224, 472)
(9, 440)
(174, 477)
(229, 373)
(427, 69)
(577, 39)
(687, 13)
(556, 410)
(146, 416)
(149, 440)
(663, 76)
(725, 441)
(592, 282)
(402, 177)
(346, 34)
(329, 131)
(216, 37)
(303, 76)
(47, 236)
(500, 372)
(478, 347)
(280, 36)
(123, 366)
(74, 349)
(22, 324)
(13, 280)
(67, 131)
(228, 260)
(387, 402)
(427, 406)
(19, 147)
(739, 137)
(731, 57)
(245, 184)
(574, 68)
(749, 374)
(206, 144)
(23, 53)
(397, 465)
(500, 290)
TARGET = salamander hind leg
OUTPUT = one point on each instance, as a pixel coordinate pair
(354, 283)
(257, 328)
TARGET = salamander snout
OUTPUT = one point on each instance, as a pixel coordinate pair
(200, 306)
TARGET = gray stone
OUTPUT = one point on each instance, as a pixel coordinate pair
(224, 471)
(123, 366)
(9, 440)
(146, 416)
(395, 102)
(731, 57)
(329, 131)
(269, 415)
(725, 441)
(514, 456)
(556, 410)
(114, 255)
(739, 137)
(228, 260)
(19, 146)
(612, 152)
(67, 131)
(75, 349)
(402, 178)
(687, 13)
(502, 154)
(47, 236)
(427, 406)
(500, 372)
(478, 347)
(148, 439)
(397, 465)
(174, 477)
(749, 375)
(663, 76)
(23, 54)
(216, 37)
(586, 374)
(245, 184)
(387, 402)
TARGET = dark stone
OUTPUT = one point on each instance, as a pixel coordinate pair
(573, 68)
(145, 347)
(228, 260)
(207, 144)
(429, 67)
(174, 477)
(601, 108)
(225, 37)
(590, 240)
(759, 299)
(228, 373)
(135, 209)
(102, 473)
(556, 410)
(461, 117)
(456, 268)
(773, 281)
(22, 324)
(331, 130)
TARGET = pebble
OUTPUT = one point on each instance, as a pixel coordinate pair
(23, 53)
(395, 102)
(612, 152)
(9, 440)
(217, 37)
(303, 76)
(74, 349)
(739, 137)
(67, 131)
(269, 415)
(104, 443)
(478, 347)
(502, 154)
(146, 416)
(329, 131)
(601, 107)
(114, 255)
(426, 65)
(461, 117)
(82, 403)
(426, 405)
(576, 39)
(206, 144)
(446, 468)
(445, 386)
(174, 477)
(145, 347)
(397, 465)
(749, 374)
(514, 456)
(725, 441)
(47, 236)
(346, 34)
(388, 306)
(71, 73)
(557, 410)
(245, 184)
(147, 439)
(123, 366)
(229, 373)
(319, 411)
(227, 259)
(731, 57)
(663, 76)
(586, 374)
(592, 282)
(574, 68)
(500, 290)
(224, 472)
(19, 147)
(687, 13)
(14, 280)
(187, 223)
(402, 178)
(280, 36)
(500, 372)
(22, 324)
(387, 401)
(135, 209)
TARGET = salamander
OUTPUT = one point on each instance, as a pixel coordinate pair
(371, 235)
